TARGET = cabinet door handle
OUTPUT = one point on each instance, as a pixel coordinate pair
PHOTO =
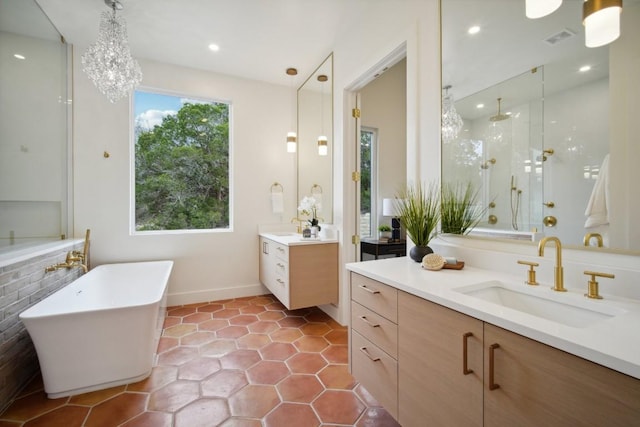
(280, 249)
(365, 320)
(371, 291)
(265, 247)
(465, 369)
(492, 383)
(281, 265)
(280, 281)
(373, 359)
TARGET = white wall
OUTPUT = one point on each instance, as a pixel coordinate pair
(210, 265)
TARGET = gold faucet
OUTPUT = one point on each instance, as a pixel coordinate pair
(74, 258)
(299, 227)
(589, 236)
(558, 282)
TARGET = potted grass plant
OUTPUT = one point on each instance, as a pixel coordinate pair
(459, 211)
(384, 232)
(418, 212)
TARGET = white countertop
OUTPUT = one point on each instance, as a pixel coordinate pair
(294, 239)
(612, 342)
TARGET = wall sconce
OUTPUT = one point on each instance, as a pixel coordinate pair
(601, 19)
(535, 9)
(323, 149)
(292, 136)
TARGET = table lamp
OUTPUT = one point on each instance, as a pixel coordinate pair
(389, 208)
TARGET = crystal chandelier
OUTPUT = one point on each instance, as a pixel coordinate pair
(451, 120)
(108, 61)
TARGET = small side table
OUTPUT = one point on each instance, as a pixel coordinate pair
(377, 247)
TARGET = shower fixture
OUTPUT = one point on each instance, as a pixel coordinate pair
(499, 117)
(545, 153)
(486, 164)
(516, 194)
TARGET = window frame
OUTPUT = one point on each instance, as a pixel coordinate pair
(132, 164)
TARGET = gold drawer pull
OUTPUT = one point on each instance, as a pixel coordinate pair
(365, 320)
(492, 383)
(280, 281)
(280, 249)
(373, 359)
(465, 369)
(281, 265)
(371, 291)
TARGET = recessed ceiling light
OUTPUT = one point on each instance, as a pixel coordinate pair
(480, 106)
(214, 47)
(18, 56)
(585, 68)
(474, 30)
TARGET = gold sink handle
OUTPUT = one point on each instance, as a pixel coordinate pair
(531, 273)
(593, 284)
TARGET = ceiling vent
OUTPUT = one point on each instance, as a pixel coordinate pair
(559, 37)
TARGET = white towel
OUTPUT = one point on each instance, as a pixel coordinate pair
(597, 211)
(277, 202)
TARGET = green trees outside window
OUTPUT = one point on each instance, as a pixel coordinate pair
(181, 164)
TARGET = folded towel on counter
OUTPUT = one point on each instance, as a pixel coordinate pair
(597, 211)
(277, 203)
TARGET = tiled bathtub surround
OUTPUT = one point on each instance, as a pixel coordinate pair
(23, 284)
(246, 362)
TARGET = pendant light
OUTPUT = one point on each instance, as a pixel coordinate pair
(601, 19)
(291, 135)
(323, 148)
(538, 8)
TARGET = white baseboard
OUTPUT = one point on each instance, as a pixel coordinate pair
(183, 298)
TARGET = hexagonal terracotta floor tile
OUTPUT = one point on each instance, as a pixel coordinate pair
(285, 335)
(232, 332)
(241, 422)
(32, 405)
(177, 356)
(275, 306)
(118, 409)
(267, 372)
(306, 363)
(226, 313)
(167, 343)
(252, 309)
(240, 359)
(254, 401)
(197, 338)
(338, 336)
(203, 413)
(300, 388)
(238, 303)
(95, 397)
(197, 317)
(210, 308)
(338, 407)
(160, 376)
(336, 354)
(311, 343)
(198, 369)
(318, 316)
(292, 322)
(224, 383)
(243, 319)
(292, 414)
(337, 377)
(318, 329)
(63, 416)
(278, 351)
(180, 330)
(150, 419)
(218, 348)
(271, 315)
(180, 311)
(263, 300)
(263, 327)
(171, 321)
(174, 396)
(213, 325)
(254, 341)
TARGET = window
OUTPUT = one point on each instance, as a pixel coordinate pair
(368, 141)
(181, 163)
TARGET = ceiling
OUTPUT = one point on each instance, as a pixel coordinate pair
(258, 39)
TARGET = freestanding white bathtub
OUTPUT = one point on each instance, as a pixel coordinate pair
(102, 329)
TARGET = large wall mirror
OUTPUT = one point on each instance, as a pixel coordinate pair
(549, 133)
(315, 120)
(33, 128)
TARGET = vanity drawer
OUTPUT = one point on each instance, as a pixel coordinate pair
(375, 328)
(376, 296)
(281, 251)
(376, 371)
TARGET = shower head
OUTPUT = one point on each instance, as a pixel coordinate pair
(499, 117)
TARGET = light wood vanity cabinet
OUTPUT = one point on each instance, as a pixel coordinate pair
(529, 384)
(373, 340)
(300, 275)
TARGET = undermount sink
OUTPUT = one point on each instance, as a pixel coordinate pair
(564, 308)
